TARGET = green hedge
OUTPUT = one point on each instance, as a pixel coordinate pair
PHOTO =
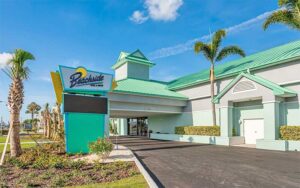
(198, 130)
(290, 132)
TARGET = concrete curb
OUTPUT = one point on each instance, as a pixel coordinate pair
(146, 175)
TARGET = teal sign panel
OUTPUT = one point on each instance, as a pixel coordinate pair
(81, 129)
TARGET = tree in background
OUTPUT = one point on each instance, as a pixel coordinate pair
(289, 14)
(46, 116)
(18, 72)
(33, 109)
(213, 54)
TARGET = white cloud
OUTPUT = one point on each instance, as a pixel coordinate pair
(188, 45)
(159, 10)
(138, 17)
(165, 10)
(4, 59)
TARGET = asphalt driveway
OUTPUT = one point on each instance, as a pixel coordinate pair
(179, 164)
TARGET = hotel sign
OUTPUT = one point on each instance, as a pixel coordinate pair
(79, 79)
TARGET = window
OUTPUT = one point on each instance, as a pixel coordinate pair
(244, 86)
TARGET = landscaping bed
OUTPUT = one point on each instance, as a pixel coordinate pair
(49, 166)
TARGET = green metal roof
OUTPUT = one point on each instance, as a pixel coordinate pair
(134, 57)
(273, 56)
(146, 87)
(277, 89)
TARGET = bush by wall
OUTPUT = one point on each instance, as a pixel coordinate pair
(198, 130)
(290, 132)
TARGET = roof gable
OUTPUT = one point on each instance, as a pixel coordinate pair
(134, 57)
(137, 54)
(273, 56)
(277, 89)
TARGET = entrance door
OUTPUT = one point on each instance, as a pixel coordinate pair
(137, 126)
(253, 129)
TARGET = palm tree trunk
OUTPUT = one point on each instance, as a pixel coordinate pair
(15, 144)
(48, 125)
(212, 93)
(45, 126)
(32, 123)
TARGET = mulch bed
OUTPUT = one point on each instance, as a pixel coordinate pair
(13, 176)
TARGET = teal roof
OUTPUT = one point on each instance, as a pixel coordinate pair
(134, 57)
(146, 87)
(277, 89)
(273, 56)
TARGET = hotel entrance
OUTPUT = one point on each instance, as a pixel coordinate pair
(137, 126)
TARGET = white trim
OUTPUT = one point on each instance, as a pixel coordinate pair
(289, 82)
(266, 102)
(149, 95)
(226, 107)
(130, 110)
(201, 97)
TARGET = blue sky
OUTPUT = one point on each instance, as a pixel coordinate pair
(92, 34)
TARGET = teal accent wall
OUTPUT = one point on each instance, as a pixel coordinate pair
(167, 123)
(290, 113)
(226, 115)
(81, 129)
(271, 120)
(138, 71)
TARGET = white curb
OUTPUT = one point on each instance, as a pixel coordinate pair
(146, 175)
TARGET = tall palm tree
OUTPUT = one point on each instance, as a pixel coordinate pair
(213, 54)
(289, 14)
(18, 72)
(33, 108)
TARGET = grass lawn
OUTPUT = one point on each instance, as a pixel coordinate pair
(136, 181)
(22, 145)
(23, 139)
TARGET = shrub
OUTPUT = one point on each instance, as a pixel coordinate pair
(16, 162)
(46, 161)
(290, 132)
(198, 130)
(101, 147)
(77, 164)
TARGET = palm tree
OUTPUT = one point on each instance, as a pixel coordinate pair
(46, 114)
(213, 54)
(289, 14)
(18, 72)
(33, 109)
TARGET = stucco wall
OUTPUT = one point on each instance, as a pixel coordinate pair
(121, 72)
(132, 70)
(199, 95)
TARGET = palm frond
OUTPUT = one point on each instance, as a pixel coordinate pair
(201, 47)
(230, 50)
(284, 17)
(288, 3)
(17, 64)
(217, 39)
